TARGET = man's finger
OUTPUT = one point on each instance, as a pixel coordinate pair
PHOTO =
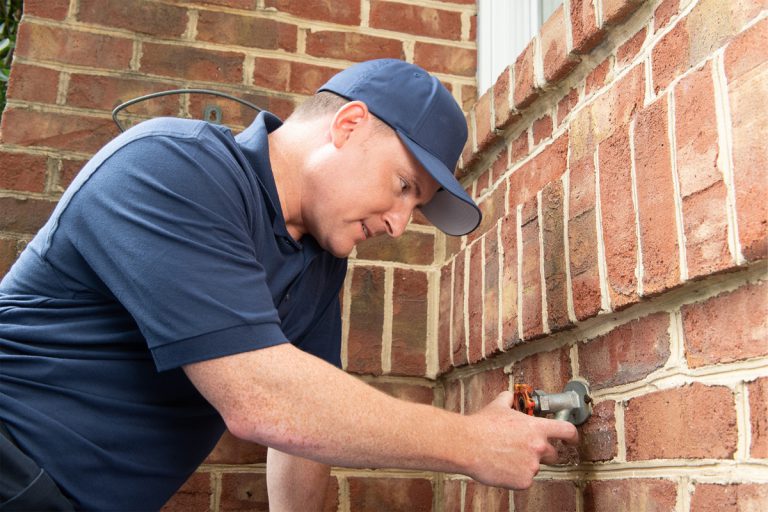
(557, 429)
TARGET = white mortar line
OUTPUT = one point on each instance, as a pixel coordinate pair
(466, 25)
(500, 289)
(639, 270)
(249, 66)
(744, 428)
(717, 471)
(482, 295)
(345, 316)
(190, 33)
(676, 342)
(621, 439)
(433, 318)
(451, 312)
(542, 274)
(62, 87)
(519, 244)
(573, 354)
(137, 52)
(671, 132)
(467, 255)
(566, 179)
(365, 13)
(684, 488)
(725, 153)
(386, 335)
(301, 40)
(602, 263)
(74, 9)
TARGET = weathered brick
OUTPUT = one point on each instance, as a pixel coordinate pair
(151, 18)
(346, 12)
(656, 200)
(352, 46)
(558, 61)
(509, 306)
(627, 52)
(307, 78)
(475, 303)
(438, 58)
(459, 338)
(729, 498)
(412, 247)
(547, 495)
(271, 73)
(549, 165)
(68, 171)
(598, 440)
(51, 9)
(250, 31)
(531, 277)
(518, 149)
(492, 208)
(618, 218)
(33, 83)
(664, 13)
(628, 353)
(485, 498)
(454, 400)
(747, 72)
(669, 424)
(408, 392)
(485, 134)
(549, 371)
(192, 63)
(630, 495)
(415, 19)
(22, 171)
(9, 251)
(195, 494)
(566, 104)
(504, 114)
(586, 33)
(613, 110)
(711, 334)
(526, 89)
(542, 128)
(701, 180)
(553, 232)
(409, 322)
(491, 294)
(232, 450)
(66, 46)
(444, 323)
(616, 11)
(371, 494)
(366, 320)
(669, 57)
(598, 77)
(482, 388)
(107, 92)
(233, 114)
(758, 414)
(56, 130)
(452, 496)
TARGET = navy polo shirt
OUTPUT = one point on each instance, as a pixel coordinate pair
(169, 248)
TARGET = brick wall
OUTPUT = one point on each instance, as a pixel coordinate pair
(620, 163)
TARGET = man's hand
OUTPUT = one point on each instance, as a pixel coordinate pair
(513, 444)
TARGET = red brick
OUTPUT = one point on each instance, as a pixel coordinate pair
(106, 92)
(491, 294)
(366, 320)
(542, 128)
(558, 62)
(481, 184)
(670, 56)
(51, 9)
(68, 171)
(482, 388)
(395, 494)
(233, 114)
(414, 19)
(459, 338)
(758, 414)
(519, 147)
(32, 83)
(504, 114)
(729, 498)
(487, 499)
(232, 450)
(549, 371)
(9, 251)
(613, 110)
(352, 46)
(526, 89)
(531, 277)
(598, 77)
(582, 239)
(409, 322)
(468, 97)
(444, 323)
(492, 208)
(618, 218)
(626, 354)
(244, 491)
(616, 11)
(627, 52)
(346, 12)
(408, 392)
(711, 334)
(151, 18)
(437, 58)
(22, 171)
(55, 130)
(509, 306)
(552, 495)
(553, 232)
(566, 104)
(485, 134)
(547, 166)
(67, 46)
(454, 400)
(598, 437)
(413, 247)
(250, 31)
(195, 494)
(701, 181)
(271, 73)
(630, 495)
(670, 424)
(747, 73)
(307, 78)
(475, 303)
(656, 200)
(586, 33)
(192, 63)
(452, 496)
(664, 12)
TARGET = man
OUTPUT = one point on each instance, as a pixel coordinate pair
(156, 306)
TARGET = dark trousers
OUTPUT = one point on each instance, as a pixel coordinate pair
(24, 486)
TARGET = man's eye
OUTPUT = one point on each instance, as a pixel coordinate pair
(403, 185)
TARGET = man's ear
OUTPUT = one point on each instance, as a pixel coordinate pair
(347, 119)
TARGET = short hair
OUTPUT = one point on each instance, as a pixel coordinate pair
(327, 103)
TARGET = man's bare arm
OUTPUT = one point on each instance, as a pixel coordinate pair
(296, 403)
(295, 483)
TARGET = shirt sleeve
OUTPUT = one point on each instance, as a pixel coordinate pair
(166, 223)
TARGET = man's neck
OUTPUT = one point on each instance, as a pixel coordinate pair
(286, 169)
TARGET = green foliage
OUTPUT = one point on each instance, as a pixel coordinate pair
(10, 15)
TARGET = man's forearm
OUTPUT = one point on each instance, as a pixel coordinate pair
(295, 483)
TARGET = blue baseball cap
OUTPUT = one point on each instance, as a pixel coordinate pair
(428, 121)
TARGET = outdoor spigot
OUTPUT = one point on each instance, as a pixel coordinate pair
(573, 405)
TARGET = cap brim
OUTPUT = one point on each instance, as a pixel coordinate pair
(451, 209)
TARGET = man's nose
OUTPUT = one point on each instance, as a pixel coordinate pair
(397, 220)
